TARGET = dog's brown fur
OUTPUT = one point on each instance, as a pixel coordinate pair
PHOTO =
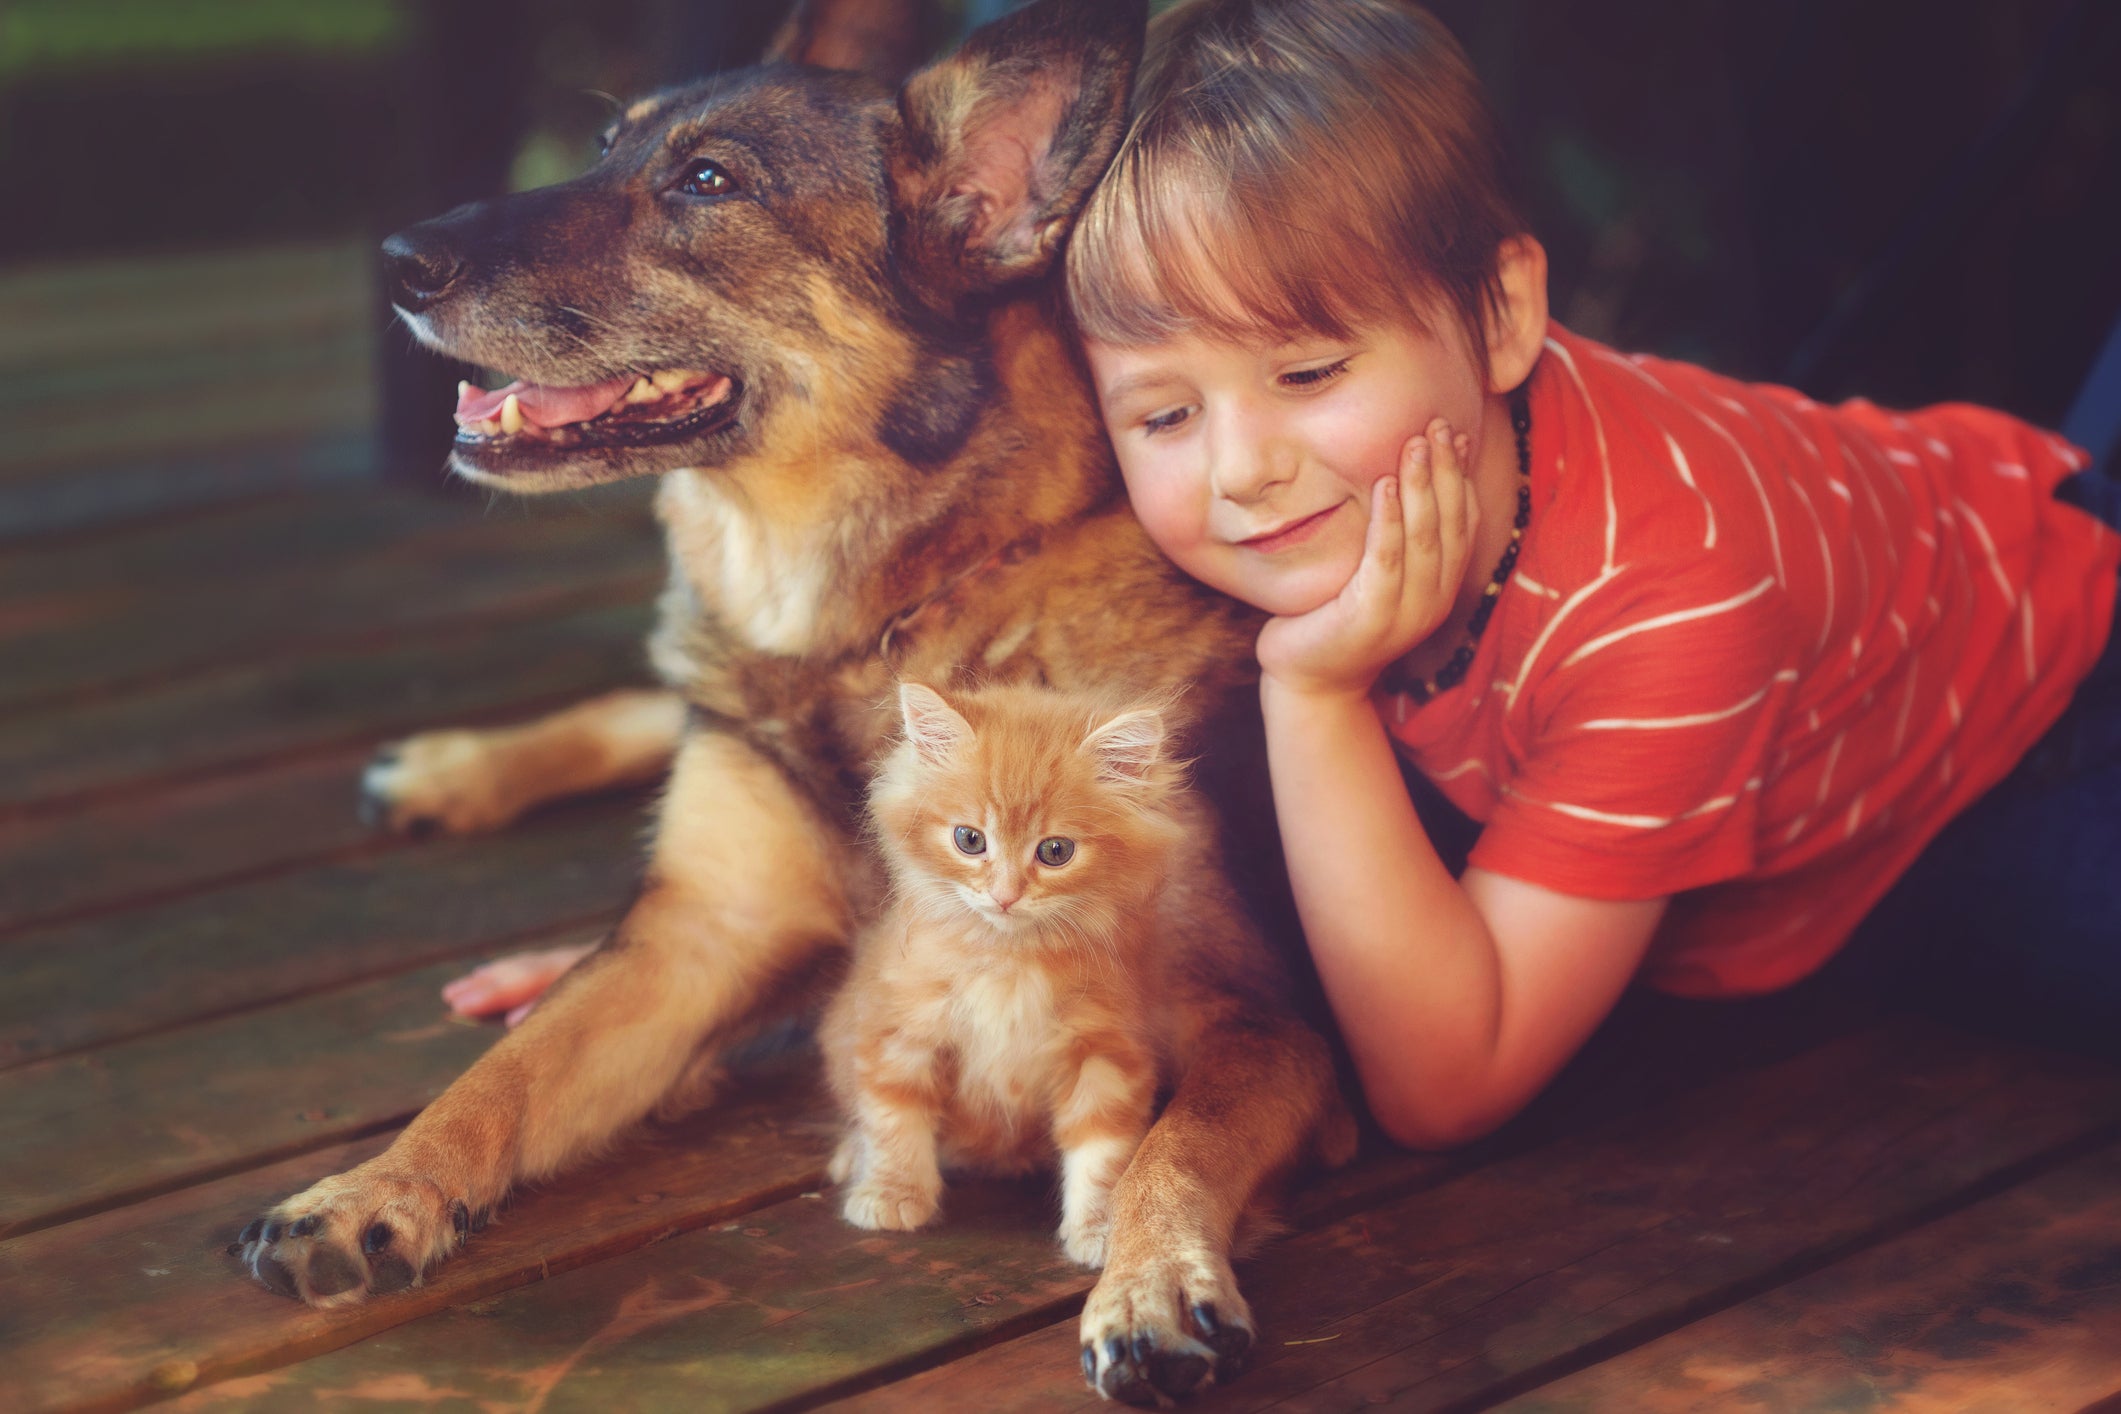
(910, 478)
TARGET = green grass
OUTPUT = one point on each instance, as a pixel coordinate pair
(45, 37)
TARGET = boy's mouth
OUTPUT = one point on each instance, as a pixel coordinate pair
(1289, 533)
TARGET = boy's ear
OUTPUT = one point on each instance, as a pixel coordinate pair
(1128, 747)
(881, 38)
(1002, 141)
(932, 725)
(1517, 322)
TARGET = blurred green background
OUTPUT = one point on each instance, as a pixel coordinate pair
(1916, 201)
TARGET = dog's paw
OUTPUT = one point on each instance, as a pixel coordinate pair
(354, 1235)
(447, 781)
(1155, 1331)
(883, 1203)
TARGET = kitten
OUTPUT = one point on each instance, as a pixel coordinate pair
(1018, 997)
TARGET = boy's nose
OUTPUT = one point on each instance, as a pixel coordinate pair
(1243, 468)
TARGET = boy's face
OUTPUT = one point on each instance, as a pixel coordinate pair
(1251, 466)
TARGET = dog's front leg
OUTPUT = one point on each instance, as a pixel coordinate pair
(1167, 1311)
(745, 898)
(470, 780)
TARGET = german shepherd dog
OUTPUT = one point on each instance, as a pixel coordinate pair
(823, 315)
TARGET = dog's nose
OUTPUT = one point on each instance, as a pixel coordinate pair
(419, 272)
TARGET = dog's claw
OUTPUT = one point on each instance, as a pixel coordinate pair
(367, 1232)
(1159, 1332)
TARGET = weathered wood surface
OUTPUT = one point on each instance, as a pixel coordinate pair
(128, 973)
(1438, 1296)
(130, 387)
(214, 986)
(93, 1130)
(130, 610)
(2012, 1304)
(307, 702)
(109, 1311)
(1449, 1297)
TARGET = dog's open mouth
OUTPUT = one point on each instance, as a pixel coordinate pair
(632, 410)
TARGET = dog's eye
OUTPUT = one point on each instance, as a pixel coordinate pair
(969, 840)
(704, 178)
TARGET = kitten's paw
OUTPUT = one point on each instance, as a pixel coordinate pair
(362, 1233)
(1084, 1240)
(892, 1205)
(845, 1159)
(450, 781)
(1156, 1330)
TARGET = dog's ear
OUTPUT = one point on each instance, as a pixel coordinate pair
(881, 38)
(1002, 141)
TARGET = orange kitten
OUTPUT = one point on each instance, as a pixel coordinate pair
(1013, 1002)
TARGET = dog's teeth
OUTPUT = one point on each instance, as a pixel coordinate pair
(511, 416)
(642, 391)
(463, 387)
(670, 381)
(487, 427)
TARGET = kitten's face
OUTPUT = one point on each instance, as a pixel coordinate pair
(1015, 816)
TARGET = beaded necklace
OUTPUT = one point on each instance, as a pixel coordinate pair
(1451, 673)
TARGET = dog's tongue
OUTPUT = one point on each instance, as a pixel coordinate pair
(542, 406)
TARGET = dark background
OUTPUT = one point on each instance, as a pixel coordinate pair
(1914, 201)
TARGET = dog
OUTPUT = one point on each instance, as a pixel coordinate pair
(822, 312)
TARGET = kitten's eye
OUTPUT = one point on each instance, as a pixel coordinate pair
(969, 840)
(705, 178)
(1055, 851)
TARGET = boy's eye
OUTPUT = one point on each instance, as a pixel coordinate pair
(1055, 851)
(1164, 421)
(1308, 377)
(969, 840)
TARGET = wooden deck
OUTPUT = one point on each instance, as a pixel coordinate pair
(215, 986)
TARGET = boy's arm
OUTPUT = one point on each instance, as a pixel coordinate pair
(1459, 1000)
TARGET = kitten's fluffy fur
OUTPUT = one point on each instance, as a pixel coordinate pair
(1005, 1009)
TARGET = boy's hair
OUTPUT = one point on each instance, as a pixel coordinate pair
(1291, 167)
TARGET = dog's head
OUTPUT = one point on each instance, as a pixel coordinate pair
(788, 252)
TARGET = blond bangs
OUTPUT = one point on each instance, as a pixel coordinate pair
(1295, 167)
(1165, 249)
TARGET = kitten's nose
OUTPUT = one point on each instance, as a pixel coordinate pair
(1003, 900)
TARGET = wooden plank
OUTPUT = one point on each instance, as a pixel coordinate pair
(364, 571)
(201, 834)
(88, 310)
(87, 1132)
(250, 712)
(783, 1300)
(225, 545)
(312, 389)
(158, 483)
(1446, 1298)
(2012, 1304)
(126, 1307)
(124, 974)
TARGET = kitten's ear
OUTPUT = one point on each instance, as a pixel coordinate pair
(932, 725)
(1128, 747)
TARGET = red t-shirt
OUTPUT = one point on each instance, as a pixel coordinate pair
(1758, 651)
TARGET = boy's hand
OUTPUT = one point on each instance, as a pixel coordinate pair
(1422, 522)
